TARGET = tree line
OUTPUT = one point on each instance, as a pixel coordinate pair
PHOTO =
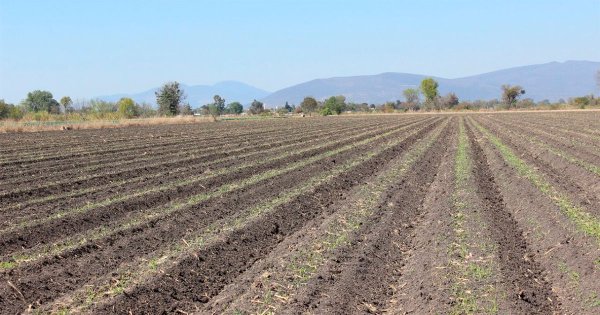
(426, 97)
(170, 99)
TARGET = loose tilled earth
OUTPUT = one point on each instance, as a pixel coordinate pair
(480, 213)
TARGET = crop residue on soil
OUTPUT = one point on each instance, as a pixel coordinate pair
(479, 213)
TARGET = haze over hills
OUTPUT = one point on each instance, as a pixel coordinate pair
(198, 95)
(552, 81)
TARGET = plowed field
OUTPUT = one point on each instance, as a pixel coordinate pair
(403, 214)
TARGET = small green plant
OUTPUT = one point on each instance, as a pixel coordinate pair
(7, 264)
(593, 300)
(62, 311)
(584, 221)
(466, 303)
(573, 275)
(90, 297)
(134, 273)
(304, 263)
(479, 272)
(469, 276)
(153, 264)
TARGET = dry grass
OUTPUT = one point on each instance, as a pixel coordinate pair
(7, 126)
(13, 126)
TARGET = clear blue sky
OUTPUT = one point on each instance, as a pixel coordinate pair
(90, 48)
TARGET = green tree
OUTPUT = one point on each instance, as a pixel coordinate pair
(16, 113)
(581, 102)
(213, 111)
(67, 104)
(388, 107)
(219, 102)
(288, 107)
(334, 105)
(256, 107)
(235, 108)
(127, 108)
(309, 105)
(169, 98)
(41, 101)
(216, 108)
(429, 88)
(510, 94)
(412, 98)
(5, 109)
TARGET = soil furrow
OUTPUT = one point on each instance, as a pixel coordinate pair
(192, 168)
(272, 282)
(178, 153)
(361, 277)
(589, 152)
(222, 262)
(523, 277)
(158, 141)
(51, 228)
(153, 151)
(570, 257)
(103, 256)
(452, 213)
(576, 181)
(99, 179)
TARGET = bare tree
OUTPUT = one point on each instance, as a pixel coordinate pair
(412, 98)
(449, 101)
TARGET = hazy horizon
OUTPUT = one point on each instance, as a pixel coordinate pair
(90, 49)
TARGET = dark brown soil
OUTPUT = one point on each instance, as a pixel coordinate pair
(582, 185)
(55, 229)
(153, 150)
(196, 280)
(394, 262)
(93, 260)
(523, 277)
(567, 257)
(95, 179)
(15, 211)
(361, 277)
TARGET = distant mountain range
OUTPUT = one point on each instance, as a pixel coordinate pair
(198, 95)
(552, 81)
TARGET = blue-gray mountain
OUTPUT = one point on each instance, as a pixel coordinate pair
(552, 81)
(198, 95)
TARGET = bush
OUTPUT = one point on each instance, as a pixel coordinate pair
(127, 108)
(333, 105)
(15, 113)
